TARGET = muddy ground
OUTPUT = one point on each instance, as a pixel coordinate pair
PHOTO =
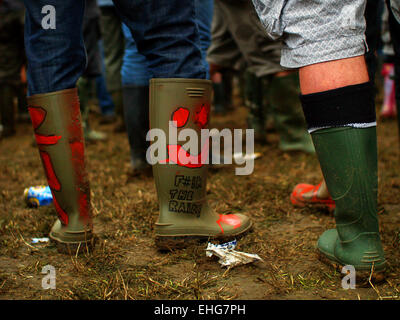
(127, 265)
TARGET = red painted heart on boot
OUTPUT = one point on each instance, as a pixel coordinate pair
(180, 116)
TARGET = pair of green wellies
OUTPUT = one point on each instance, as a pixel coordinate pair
(347, 157)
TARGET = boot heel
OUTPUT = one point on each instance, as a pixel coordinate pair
(363, 278)
(76, 248)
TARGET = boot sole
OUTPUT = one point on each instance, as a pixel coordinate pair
(74, 248)
(364, 278)
(304, 204)
(170, 243)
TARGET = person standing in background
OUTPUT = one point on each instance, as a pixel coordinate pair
(12, 59)
(114, 47)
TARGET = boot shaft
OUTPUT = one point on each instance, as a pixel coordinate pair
(181, 185)
(56, 120)
(181, 174)
(348, 158)
(136, 113)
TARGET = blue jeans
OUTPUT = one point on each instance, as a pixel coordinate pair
(134, 68)
(106, 103)
(205, 12)
(165, 32)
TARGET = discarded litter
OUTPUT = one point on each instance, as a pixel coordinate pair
(40, 240)
(228, 257)
(38, 196)
(246, 157)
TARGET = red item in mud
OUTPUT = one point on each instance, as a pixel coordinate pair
(298, 200)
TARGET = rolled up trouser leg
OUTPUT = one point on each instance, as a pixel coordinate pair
(343, 128)
(57, 125)
(181, 177)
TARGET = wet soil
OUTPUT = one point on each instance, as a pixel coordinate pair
(126, 263)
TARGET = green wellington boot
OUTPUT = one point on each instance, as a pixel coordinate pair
(254, 101)
(136, 115)
(218, 98)
(283, 94)
(85, 89)
(117, 98)
(348, 158)
(56, 121)
(185, 217)
(223, 99)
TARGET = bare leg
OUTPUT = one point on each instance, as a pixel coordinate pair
(333, 74)
(335, 95)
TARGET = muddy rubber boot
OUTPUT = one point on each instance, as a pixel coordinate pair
(57, 125)
(7, 113)
(218, 98)
(222, 86)
(256, 117)
(227, 80)
(136, 113)
(283, 93)
(185, 216)
(117, 98)
(348, 158)
(305, 194)
(85, 87)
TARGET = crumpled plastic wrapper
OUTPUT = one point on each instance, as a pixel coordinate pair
(246, 157)
(228, 257)
(40, 240)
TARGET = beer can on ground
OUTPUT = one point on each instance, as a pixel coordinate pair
(38, 196)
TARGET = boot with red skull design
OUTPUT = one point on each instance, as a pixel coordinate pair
(57, 125)
(185, 216)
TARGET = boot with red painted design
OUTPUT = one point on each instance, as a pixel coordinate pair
(312, 195)
(180, 174)
(56, 120)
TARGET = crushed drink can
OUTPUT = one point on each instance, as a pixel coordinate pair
(38, 196)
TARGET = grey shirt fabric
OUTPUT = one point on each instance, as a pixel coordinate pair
(314, 31)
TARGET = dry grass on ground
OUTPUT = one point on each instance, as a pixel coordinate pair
(126, 263)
